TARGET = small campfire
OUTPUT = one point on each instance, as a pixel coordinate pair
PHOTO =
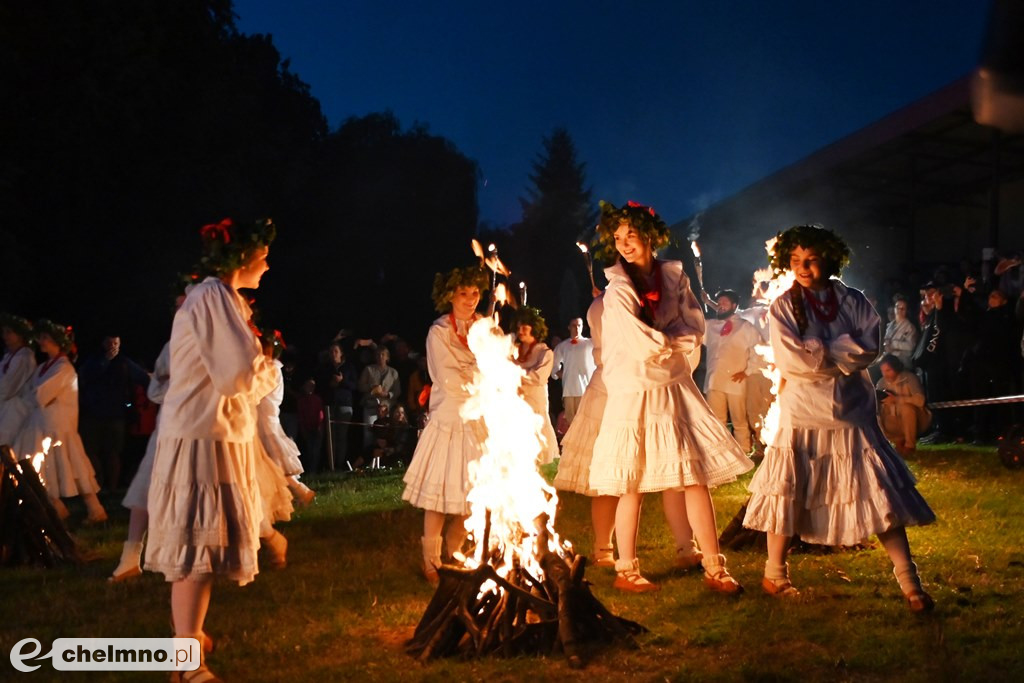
(521, 590)
(31, 531)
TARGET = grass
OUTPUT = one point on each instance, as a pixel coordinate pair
(351, 595)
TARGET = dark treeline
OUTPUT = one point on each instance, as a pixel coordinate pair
(128, 124)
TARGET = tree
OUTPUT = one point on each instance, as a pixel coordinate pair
(557, 212)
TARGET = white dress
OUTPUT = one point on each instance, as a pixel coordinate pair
(204, 500)
(15, 372)
(438, 475)
(537, 365)
(279, 446)
(578, 442)
(138, 491)
(52, 393)
(274, 492)
(657, 433)
(830, 475)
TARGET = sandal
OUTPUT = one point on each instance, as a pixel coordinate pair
(779, 588)
(718, 578)
(628, 578)
(604, 557)
(919, 601)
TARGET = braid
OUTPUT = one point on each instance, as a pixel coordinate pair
(796, 297)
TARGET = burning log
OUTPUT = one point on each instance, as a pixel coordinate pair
(476, 612)
(31, 531)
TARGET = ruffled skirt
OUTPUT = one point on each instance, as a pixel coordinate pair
(281, 449)
(274, 493)
(663, 438)
(438, 475)
(66, 470)
(578, 442)
(204, 510)
(833, 487)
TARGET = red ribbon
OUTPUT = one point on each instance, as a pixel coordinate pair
(574, 341)
(220, 231)
(727, 327)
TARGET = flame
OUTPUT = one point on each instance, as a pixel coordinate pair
(505, 483)
(39, 458)
(695, 249)
(776, 288)
(500, 293)
(582, 247)
(492, 249)
(478, 250)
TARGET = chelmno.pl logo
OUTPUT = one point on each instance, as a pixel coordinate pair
(109, 654)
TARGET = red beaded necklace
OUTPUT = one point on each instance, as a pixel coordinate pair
(455, 328)
(825, 311)
(49, 364)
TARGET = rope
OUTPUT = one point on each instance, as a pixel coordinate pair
(996, 400)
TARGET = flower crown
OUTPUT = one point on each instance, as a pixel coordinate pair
(527, 315)
(62, 335)
(227, 244)
(834, 252)
(643, 219)
(445, 285)
(18, 325)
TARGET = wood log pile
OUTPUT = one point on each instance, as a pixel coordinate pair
(31, 531)
(477, 612)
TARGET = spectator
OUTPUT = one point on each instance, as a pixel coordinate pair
(1011, 275)
(337, 382)
(310, 409)
(574, 365)
(991, 364)
(901, 410)
(378, 384)
(418, 394)
(108, 380)
(901, 335)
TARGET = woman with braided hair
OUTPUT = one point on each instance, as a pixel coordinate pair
(438, 477)
(829, 475)
(657, 433)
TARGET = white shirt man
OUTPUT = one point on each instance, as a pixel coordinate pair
(759, 387)
(574, 365)
(730, 341)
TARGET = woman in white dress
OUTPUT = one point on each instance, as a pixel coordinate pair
(537, 360)
(16, 368)
(829, 475)
(204, 500)
(52, 394)
(657, 433)
(438, 477)
(279, 446)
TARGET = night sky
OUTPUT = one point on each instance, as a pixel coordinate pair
(674, 104)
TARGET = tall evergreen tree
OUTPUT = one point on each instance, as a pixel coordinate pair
(557, 212)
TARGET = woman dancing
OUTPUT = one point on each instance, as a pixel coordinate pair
(829, 475)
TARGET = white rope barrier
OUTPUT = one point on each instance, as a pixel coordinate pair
(996, 400)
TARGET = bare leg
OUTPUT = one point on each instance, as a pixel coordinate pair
(898, 547)
(456, 534)
(674, 505)
(190, 601)
(627, 567)
(627, 523)
(701, 511)
(602, 515)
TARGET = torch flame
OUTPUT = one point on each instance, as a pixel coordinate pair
(776, 288)
(506, 488)
(501, 293)
(695, 249)
(582, 247)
